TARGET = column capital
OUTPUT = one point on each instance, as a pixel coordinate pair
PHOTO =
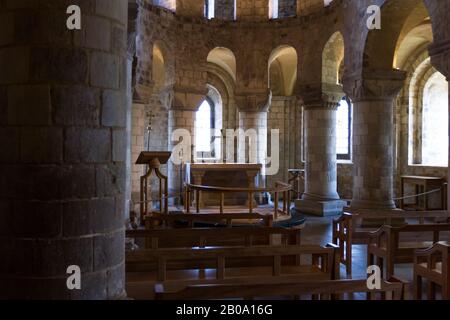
(374, 85)
(166, 96)
(142, 92)
(188, 99)
(253, 100)
(440, 57)
(327, 97)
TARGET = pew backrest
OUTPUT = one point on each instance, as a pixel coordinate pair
(390, 236)
(201, 237)
(325, 259)
(260, 289)
(188, 220)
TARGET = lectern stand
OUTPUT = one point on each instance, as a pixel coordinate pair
(153, 160)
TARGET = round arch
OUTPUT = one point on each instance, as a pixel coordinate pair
(224, 58)
(398, 17)
(282, 69)
(333, 59)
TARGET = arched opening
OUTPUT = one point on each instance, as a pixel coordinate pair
(273, 9)
(208, 126)
(224, 58)
(332, 72)
(283, 64)
(158, 67)
(209, 9)
(396, 24)
(279, 9)
(344, 129)
(332, 59)
(168, 4)
(435, 122)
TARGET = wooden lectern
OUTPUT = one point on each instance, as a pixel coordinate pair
(153, 160)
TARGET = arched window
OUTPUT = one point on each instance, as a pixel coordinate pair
(204, 127)
(273, 9)
(209, 9)
(344, 130)
(435, 122)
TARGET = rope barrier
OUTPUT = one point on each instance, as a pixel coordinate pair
(420, 194)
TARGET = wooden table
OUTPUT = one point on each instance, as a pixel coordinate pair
(422, 185)
(224, 175)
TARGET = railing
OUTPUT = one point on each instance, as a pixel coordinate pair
(280, 188)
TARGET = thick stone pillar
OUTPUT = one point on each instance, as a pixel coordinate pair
(320, 197)
(373, 99)
(63, 136)
(252, 142)
(254, 126)
(182, 119)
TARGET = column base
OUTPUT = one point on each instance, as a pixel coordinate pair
(380, 205)
(320, 208)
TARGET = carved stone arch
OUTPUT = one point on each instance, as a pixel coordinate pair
(225, 84)
(380, 45)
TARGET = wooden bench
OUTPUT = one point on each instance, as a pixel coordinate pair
(347, 229)
(232, 262)
(270, 288)
(216, 237)
(189, 220)
(385, 244)
(433, 264)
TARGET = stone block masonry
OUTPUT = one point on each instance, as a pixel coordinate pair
(63, 135)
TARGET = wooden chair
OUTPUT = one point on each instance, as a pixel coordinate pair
(269, 288)
(433, 264)
(386, 246)
(347, 229)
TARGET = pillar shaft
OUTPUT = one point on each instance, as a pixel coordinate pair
(180, 120)
(373, 148)
(320, 153)
(63, 135)
(253, 144)
(373, 97)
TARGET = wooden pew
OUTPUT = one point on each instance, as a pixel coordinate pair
(189, 220)
(270, 288)
(347, 229)
(385, 244)
(342, 237)
(230, 262)
(433, 264)
(216, 237)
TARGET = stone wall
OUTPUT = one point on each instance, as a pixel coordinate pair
(345, 180)
(253, 10)
(285, 115)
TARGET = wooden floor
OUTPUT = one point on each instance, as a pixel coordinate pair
(316, 232)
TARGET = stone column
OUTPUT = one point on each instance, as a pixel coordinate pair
(63, 136)
(252, 142)
(254, 125)
(182, 118)
(373, 99)
(320, 197)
